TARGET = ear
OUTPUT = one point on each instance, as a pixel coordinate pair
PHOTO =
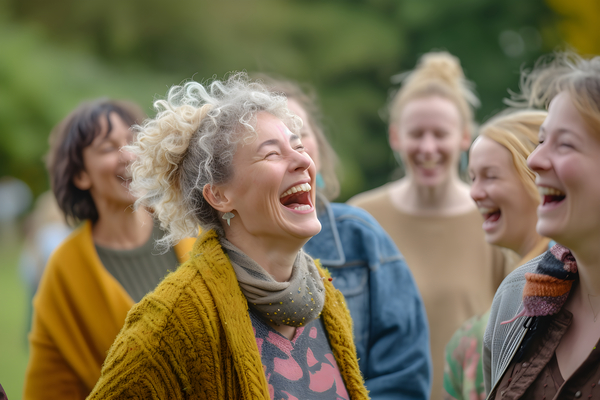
(394, 137)
(465, 141)
(82, 181)
(215, 195)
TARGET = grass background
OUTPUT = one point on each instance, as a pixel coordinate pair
(13, 316)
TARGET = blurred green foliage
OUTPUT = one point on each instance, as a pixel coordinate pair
(53, 54)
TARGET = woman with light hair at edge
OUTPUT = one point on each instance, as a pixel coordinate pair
(503, 187)
(542, 338)
(250, 315)
(429, 213)
(389, 320)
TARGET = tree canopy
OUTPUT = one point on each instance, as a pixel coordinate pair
(56, 54)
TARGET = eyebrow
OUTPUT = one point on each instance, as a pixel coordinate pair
(558, 131)
(269, 142)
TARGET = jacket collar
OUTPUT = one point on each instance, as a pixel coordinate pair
(329, 234)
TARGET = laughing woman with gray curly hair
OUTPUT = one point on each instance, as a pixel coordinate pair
(250, 315)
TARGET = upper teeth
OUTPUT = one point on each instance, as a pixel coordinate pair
(304, 187)
(484, 210)
(548, 191)
(428, 164)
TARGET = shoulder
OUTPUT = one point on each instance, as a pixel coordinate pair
(355, 224)
(514, 283)
(78, 240)
(508, 300)
(370, 197)
(352, 215)
(72, 259)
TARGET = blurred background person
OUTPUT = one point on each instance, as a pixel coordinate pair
(429, 213)
(106, 265)
(503, 187)
(389, 320)
(45, 229)
(251, 315)
(542, 339)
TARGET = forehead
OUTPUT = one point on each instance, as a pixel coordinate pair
(486, 152)
(268, 125)
(563, 114)
(430, 110)
(110, 125)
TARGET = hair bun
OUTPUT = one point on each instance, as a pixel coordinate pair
(439, 65)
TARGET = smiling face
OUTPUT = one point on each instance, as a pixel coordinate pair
(508, 208)
(272, 191)
(105, 166)
(430, 137)
(567, 162)
(307, 135)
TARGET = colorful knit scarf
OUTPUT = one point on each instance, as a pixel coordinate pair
(547, 289)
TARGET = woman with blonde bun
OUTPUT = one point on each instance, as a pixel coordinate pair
(429, 213)
(504, 189)
(543, 336)
(250, 315)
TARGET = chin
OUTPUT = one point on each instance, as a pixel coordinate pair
(307, 231)
(546, 229)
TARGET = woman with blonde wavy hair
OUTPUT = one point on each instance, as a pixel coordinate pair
(503, 187)
(429, 213)
(543, 335)
(250, 315)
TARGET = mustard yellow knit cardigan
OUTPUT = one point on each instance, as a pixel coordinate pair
(192, 338)
(78, 311)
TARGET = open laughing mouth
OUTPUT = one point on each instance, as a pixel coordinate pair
(490, 215)
(551, 196)
(297, 198)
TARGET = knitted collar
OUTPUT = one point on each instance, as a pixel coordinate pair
(547, 289)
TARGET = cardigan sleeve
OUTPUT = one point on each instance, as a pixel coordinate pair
(48, 374)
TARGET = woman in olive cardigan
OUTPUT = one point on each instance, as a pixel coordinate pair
(250, 315)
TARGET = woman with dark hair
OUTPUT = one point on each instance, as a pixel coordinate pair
(106, 265)
(389, 321)
(542, 339)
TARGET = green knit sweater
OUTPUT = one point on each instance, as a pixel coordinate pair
(192, 338)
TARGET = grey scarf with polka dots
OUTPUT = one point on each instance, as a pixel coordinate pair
(293, 303)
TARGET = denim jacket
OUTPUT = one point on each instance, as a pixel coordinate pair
(389, 321)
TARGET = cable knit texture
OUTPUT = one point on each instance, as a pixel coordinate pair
(193, 339)
(79, 309)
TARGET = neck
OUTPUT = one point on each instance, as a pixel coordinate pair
(588, 266)
(530, 245)
(447, 199)
(126, 229)
(274, 254)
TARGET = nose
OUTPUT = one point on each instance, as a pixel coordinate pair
(299, 161)
(477, 192)
(428, 143)
(538, 159)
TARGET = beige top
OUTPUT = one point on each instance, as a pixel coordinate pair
(456, 270)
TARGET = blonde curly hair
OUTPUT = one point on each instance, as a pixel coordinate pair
(191, 143)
